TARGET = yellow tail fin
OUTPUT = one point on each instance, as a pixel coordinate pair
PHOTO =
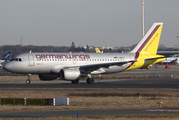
(146, 49)
(149, 43)
(97, 50)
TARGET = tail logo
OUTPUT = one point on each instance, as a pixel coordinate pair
(151, 42)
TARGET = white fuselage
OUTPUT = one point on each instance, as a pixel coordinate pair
(42, 63)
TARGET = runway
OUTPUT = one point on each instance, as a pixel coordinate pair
(73, 113)
(154, 83)
(145, 83)
(104, 84)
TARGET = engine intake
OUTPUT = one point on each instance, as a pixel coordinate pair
(70, 74)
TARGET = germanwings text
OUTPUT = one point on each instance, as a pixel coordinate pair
(62, 56)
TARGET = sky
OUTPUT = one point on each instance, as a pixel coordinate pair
(107, 23)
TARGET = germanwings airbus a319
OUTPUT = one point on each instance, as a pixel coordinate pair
(72, 66)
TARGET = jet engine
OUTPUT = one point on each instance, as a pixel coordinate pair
(70, 74)
(47, 77)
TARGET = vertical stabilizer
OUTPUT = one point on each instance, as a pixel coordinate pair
(149, 43)
(7, 56)
(97, 50)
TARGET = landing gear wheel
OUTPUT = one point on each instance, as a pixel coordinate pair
(90, 80)
(75, 81)
(27, 81)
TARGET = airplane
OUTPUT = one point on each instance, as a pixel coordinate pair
(97, 50)
(73, 66)
(5, 59)
(170, 60)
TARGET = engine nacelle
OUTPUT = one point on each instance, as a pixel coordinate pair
(46, 77)
(70, 74)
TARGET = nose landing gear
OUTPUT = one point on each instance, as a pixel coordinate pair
(28, 80)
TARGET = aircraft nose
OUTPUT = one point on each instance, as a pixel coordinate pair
(7, 67)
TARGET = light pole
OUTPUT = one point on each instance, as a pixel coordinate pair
(142, 18)
(177, 42)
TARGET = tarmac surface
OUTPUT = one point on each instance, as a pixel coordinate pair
(154, 83)
(73, 113)
(140, 83)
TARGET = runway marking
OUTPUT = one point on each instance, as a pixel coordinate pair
(159, 110)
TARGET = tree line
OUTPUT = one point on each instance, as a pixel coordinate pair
(17, 49)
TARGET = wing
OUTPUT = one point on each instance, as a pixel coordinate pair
(89, 67)
(92, 67)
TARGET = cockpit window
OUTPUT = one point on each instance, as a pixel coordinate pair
(20, 59)
(12, 59)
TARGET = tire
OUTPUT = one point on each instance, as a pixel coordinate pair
(27, 81)
(90, 81)
(75, 81)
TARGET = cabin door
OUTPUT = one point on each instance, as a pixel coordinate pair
(31, 60)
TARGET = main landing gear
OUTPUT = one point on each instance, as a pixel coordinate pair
(75, 81)
(90, 80)
(28, 80)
